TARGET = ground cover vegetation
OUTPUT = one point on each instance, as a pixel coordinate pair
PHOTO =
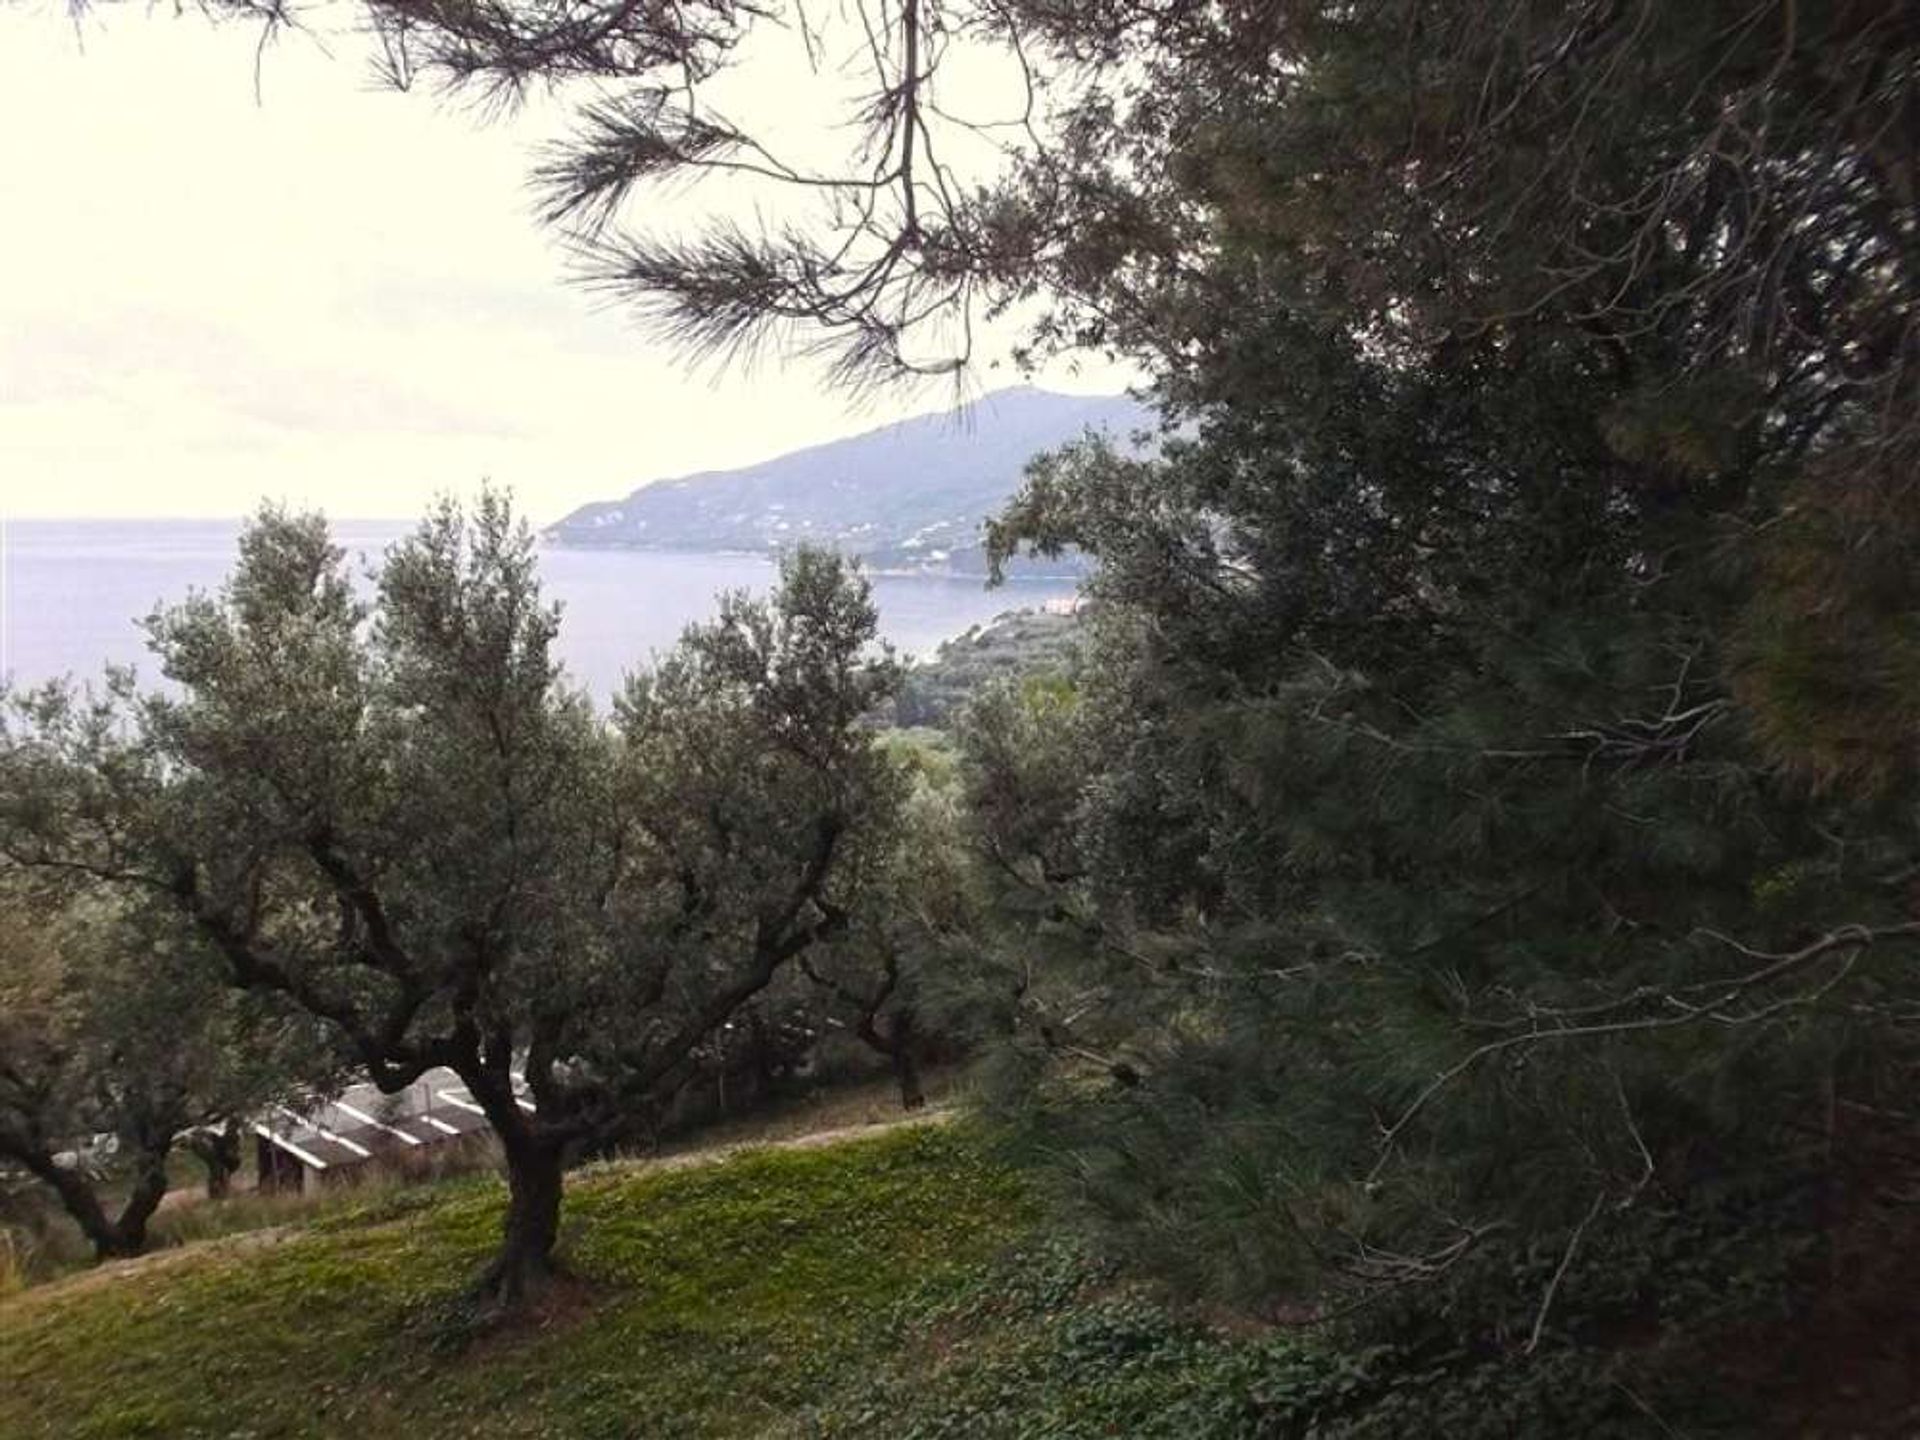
(909, 1285)
(707, 1301)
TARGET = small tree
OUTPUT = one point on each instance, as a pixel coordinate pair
(402, 820)
(883, 976)
(112, 1030)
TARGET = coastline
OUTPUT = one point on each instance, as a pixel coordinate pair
(76, 590)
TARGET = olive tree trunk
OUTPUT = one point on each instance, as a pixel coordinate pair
(899, 1041)
(524, 1265)
(906, 1074)
(218, 1149)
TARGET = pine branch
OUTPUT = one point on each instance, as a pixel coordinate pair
(1850, 939)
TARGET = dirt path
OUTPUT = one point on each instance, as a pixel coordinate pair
(806, 1140)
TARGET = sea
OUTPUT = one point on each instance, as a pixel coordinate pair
(72, 593)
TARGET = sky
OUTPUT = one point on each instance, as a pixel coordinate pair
(323, 292)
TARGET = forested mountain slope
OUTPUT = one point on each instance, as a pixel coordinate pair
(909, 496)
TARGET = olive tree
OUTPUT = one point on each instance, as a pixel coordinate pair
(117, 1042)
(886, 978)
(398, 816)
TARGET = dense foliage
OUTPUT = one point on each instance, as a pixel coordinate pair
(1489, 811)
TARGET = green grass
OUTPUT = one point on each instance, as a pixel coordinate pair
(713, 1301)
(39, 1242)
(901, 1286)
(42, 1243)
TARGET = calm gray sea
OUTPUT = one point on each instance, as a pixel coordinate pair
(74, 590)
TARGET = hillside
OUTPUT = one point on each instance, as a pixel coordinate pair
(1008, 647)
(711, 1301)
(907, 496)
(900, 1286)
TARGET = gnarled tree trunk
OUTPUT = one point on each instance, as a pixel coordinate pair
(111, 1236)
(149, 1189)
(535, 1161)
(525, 1263)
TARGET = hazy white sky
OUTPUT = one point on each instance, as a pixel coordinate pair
(332, 294)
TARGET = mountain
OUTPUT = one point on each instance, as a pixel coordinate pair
(906, 496)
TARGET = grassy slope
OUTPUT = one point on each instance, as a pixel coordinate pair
(720, 1300)
(39, 1242)
(898, 1287)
